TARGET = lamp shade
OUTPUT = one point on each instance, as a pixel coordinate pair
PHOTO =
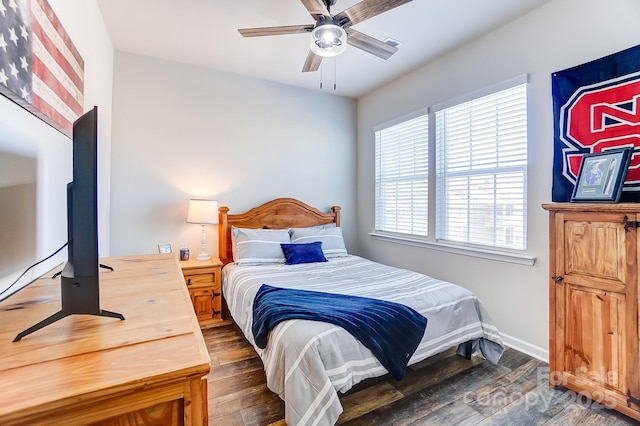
(202, 211)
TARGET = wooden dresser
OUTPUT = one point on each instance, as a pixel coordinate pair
(593, 292)
(150, 368)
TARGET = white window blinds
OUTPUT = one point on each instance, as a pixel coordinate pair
(481, 173)
(401, 186)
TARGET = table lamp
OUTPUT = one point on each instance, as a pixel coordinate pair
(203, 212)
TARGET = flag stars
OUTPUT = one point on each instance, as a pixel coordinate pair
(3, 43)
(13, 70)
(24, 33)
(3, 8)
(3, 75)
(23, 63)
(12, 36)
(24, 93)
(13, 5)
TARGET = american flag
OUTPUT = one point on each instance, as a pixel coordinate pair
(40, 68)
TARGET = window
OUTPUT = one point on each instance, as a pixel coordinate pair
(481, 169)
(402, 176)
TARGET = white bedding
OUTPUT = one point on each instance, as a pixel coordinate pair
(307, 362)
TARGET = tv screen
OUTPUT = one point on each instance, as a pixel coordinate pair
(80, 289)
(80, 278)
(18, 203)
(36, 163)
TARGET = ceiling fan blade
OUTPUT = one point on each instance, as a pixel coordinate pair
(316, 8)
(312, 63)
(368, 9)
(266, 31)
(370, 44)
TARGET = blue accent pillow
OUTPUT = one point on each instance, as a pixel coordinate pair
(303, 253)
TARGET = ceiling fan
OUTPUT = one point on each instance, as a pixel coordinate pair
(331, 33)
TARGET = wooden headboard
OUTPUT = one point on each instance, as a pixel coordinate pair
(280, 213)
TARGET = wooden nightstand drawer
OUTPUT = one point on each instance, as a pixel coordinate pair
(200, 280)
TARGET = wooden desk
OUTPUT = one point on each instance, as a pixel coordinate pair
(83, 369)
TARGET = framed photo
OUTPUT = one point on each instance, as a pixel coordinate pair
(601, 176)
(164, 248)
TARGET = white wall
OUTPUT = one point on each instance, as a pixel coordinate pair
(560, 34)
(83, 22)
(181, 131)
(22, 132)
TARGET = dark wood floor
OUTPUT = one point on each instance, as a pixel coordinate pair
(445, 389)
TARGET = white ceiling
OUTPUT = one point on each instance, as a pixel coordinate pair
(204, 33)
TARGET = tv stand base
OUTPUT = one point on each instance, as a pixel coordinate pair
(58, 316)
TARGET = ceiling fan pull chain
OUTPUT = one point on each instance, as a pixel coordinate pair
(320, 76)
(335, 61)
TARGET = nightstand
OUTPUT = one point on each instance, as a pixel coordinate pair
(203, 281)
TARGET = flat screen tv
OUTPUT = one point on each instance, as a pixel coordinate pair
(80, 286)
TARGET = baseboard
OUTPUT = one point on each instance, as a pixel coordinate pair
(520, 345)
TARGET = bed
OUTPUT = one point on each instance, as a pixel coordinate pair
(309, 363)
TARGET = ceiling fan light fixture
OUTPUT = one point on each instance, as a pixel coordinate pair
(328, 38)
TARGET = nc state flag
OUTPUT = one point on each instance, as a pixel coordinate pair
(596, 107)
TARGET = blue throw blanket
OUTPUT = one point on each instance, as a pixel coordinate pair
(390, 330)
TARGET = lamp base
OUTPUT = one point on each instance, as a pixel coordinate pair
(203, 256)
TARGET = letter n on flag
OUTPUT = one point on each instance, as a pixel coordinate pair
(596, 107)
(40, 68)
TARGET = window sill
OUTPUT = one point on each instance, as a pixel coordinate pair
(520, 259)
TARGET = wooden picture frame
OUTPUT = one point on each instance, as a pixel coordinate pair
(164, 248)
(601, 176)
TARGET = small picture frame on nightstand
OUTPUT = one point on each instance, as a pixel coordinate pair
(164, 248)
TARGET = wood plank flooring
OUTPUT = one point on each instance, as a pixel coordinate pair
(445, 389)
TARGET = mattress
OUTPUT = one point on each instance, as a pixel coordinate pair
(308, 363)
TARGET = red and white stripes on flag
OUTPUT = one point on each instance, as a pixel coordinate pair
(58, 68)
(54, 89)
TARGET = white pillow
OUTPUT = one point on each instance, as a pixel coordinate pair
(257, 246)
(331, 238)
(314, 227)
